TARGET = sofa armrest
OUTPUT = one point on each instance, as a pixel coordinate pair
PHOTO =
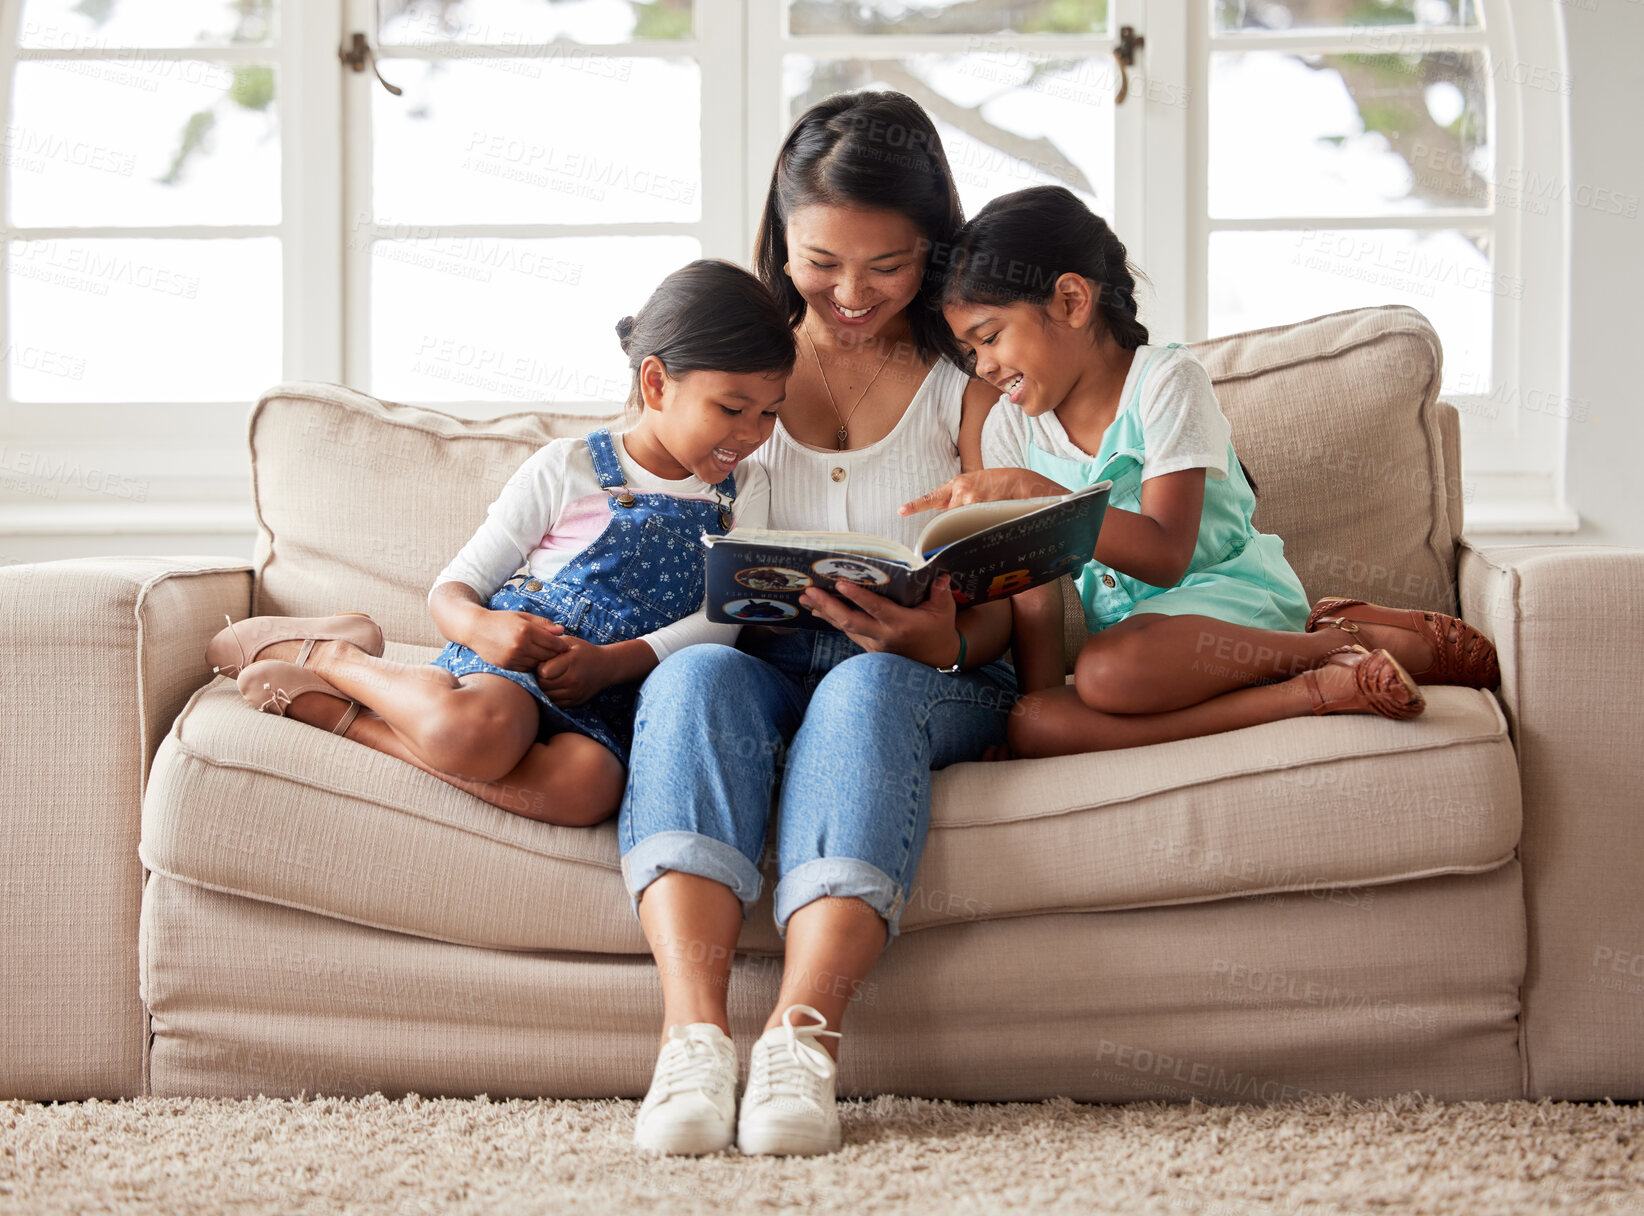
(96, 659)
(1565, 621)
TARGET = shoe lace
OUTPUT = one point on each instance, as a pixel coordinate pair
(278, 701)
(795, 1064)
(238, 645)
(689, 1062)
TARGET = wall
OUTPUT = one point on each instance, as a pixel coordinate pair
(1607, 263)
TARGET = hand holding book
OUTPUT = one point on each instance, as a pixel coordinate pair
(989, 549)
(926, 631)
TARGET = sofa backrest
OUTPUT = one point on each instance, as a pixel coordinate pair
(361, 502)
(1355, 459)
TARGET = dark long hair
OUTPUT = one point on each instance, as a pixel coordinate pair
(874, 150)
(1021, 243)
(710, 315)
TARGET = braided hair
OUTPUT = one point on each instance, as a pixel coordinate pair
(1020, 244)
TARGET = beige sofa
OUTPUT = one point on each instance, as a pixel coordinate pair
(202, 900)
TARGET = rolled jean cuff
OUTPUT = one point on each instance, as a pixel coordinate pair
(690, 853)
(842, 878)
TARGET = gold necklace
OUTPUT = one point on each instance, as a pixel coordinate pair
(844, 419)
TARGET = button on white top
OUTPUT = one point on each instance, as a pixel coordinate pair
(920, 453)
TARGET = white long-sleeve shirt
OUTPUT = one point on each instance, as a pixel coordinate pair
(554, 507)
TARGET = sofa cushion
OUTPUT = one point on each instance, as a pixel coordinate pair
(274, 810)
(1244, 1001)
(1338, 421)
(361, 503)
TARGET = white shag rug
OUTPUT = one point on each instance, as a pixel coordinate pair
(417, 1156)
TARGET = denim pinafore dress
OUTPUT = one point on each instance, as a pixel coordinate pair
(644, 571)
(1236, 574)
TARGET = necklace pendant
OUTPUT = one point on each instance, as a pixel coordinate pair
(842, 438)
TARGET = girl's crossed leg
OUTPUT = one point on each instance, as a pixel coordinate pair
(1153, 678)
(477, 732)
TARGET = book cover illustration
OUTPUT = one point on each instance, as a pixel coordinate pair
(990, 550)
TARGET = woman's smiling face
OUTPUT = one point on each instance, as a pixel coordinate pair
(857, 269)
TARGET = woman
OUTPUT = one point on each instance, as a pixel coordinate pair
(877, 412)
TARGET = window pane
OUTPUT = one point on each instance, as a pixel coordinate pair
(68, 24)
(1348, 134)
(144, 320)
(579, 140)
(175, 141)
(531, 22)
(510, 320)
(1340, 14)
(947, 16)
(1259, 279)
(1007, 120)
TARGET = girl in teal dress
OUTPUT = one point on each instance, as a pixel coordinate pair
(1198, 624)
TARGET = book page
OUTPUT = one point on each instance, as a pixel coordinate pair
(838, 542)
(960, 522)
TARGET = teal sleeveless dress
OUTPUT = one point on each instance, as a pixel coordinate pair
(1237, 574)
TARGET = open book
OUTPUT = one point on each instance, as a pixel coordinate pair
(989, 549)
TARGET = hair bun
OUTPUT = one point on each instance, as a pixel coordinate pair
(625, 330)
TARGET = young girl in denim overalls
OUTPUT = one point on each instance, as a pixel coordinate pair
(1198, 623)
(587, 572)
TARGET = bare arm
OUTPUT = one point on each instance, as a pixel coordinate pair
(456, 609)
(927, 632)
(987, 632)
(517, 641)
(1154, 544)
(980, 398)
(1036, 638)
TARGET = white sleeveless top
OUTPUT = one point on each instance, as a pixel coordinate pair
(815, 489)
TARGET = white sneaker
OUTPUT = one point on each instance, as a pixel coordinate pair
(789, 1106)
(691, 1106)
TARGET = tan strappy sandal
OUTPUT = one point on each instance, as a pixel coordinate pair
(1380, 685)
(239, 644)
(1461, 654)
(273, 684)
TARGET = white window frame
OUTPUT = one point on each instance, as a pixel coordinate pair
(1515, 471)
(1513, 465)
(196, 485)
(717, 46)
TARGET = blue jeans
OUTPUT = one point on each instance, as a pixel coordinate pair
(861, 733)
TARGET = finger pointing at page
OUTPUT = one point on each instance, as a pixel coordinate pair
(936, 500)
